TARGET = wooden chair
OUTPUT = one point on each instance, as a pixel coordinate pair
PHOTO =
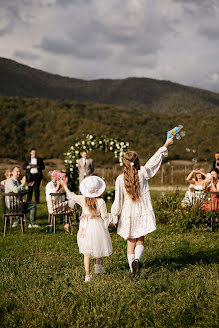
(13, 207)
(59, 208)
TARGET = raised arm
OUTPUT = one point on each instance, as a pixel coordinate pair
(154, 163)
(71, 196)
(11, 186)
(189, 178)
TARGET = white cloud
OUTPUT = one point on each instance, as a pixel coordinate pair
(171, 39)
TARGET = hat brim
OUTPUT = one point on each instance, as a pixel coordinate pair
(88, 194)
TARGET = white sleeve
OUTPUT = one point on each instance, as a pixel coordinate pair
(118, 201)
(72, 197)
(49, 189)
(153, 164)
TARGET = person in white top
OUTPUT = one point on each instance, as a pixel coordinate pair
(133, 204)
(93, 236)
(54, 186)
(196, 180)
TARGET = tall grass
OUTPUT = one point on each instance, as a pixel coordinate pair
(42, 281)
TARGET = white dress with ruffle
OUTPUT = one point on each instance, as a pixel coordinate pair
(137, 218)
(93, 236)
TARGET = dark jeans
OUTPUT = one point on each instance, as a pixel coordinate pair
(35, 187)
(30, 207)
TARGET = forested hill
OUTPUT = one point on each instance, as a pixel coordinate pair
(53, 126)
(137, 93)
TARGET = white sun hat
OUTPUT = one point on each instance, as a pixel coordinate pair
(92, 186)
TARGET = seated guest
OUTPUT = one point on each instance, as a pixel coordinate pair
(196, 179)
(212, 185)
(215, 182)
(216, 162)
(14, 185)
(7, 174)
(55, 186)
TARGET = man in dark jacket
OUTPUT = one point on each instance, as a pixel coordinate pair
(34, 166)
(216, 162)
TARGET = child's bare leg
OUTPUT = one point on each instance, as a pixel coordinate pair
(139, 249)
(87, 263)
(130, 246)
(140, 241)
(130, 252)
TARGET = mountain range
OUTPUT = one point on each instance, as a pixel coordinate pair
(137, 93)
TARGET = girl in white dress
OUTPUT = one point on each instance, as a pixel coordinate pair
(93, 236)
(133, 203)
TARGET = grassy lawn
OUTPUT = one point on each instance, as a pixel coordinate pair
(42, 281)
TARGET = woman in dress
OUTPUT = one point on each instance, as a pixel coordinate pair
(93, 236)
(196, 180)
(212, 185)
(133, 203)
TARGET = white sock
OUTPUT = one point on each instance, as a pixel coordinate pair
(139, 250)
(131, 258)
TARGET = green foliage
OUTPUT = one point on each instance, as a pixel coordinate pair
(168, 210)
(167, 207)
(109, 195)
(53, 126)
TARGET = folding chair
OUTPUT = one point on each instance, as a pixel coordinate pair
(60, 208)
(13, 206)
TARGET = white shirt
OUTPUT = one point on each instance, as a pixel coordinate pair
(33, 161)
(50, 188)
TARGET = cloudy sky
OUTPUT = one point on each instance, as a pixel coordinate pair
(176, 40)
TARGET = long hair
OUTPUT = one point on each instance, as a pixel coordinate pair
(91, 203)
(130, 172)
(203, 176)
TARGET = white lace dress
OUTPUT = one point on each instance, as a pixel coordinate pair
(193, 194)
(137, 218)
(93, 236)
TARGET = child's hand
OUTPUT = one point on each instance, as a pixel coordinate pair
(168, 142)
(112, 224)
(63, 183)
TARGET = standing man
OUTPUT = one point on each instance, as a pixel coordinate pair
(34, 166)
(85, 166)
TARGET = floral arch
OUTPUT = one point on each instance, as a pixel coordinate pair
(90, 143)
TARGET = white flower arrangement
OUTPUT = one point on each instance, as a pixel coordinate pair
(90, 143)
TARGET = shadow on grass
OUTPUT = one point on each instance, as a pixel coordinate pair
(186, 258)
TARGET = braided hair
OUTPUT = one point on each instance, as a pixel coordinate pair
(130, 173)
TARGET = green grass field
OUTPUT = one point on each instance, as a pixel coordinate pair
(42, 280)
